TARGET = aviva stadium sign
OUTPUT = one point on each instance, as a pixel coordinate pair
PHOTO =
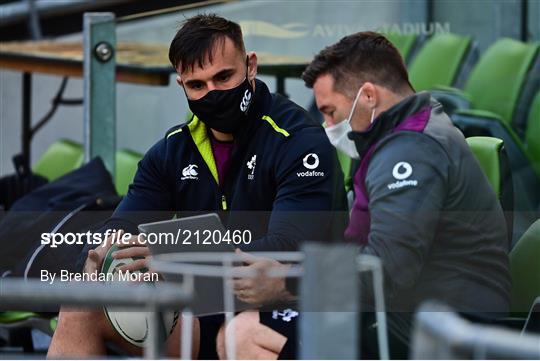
(301, 30)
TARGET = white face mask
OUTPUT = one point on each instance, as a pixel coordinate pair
(337, 133)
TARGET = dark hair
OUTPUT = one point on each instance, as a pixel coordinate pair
(358, 58)
(198, 36)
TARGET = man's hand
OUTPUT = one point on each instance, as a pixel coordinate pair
(260, 289)
(128, 248)
(134, 247)
(96, 256)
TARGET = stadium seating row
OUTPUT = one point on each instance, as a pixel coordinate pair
(65, 155)
(495, 95)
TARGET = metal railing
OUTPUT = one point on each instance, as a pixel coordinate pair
(368, 263)
(20, 294)
(218, 265)
(221, 265)
(440, 333)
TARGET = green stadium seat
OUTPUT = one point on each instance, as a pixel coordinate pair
(525, 270)
(487, 151)
(404, 43)
(492, 158)
(15, 316)
(502, 79)
(440, 61)
(126, 166)
(14, 319)
(526, 182)
(495, 84)
(498, 79)
(60, 158)
(17, 326)
(532, 133)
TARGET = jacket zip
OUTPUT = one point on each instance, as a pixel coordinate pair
(223, 202)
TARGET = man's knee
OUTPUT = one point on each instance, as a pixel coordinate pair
(241, 329)
(220, 343)
(88, 326)
(244, 324)
(78, 334)
(73, 318)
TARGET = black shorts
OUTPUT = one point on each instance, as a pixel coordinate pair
(281, 320)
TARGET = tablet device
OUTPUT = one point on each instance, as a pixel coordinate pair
(202, 233)
(195, 234)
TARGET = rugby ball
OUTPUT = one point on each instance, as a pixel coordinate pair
(131, 325)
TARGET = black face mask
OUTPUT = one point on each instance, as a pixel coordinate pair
(224, 110)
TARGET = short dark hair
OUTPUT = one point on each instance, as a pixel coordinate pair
(358, 58)
(197, 37)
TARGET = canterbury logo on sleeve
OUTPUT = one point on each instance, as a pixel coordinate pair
(246, 100)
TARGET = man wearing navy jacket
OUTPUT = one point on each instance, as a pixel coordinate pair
(244, 149)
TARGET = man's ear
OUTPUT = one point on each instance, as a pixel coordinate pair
(179, 81)
(252, 62)
(370, 94)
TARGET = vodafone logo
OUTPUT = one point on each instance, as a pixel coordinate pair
(402, 170)
(311, 161)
